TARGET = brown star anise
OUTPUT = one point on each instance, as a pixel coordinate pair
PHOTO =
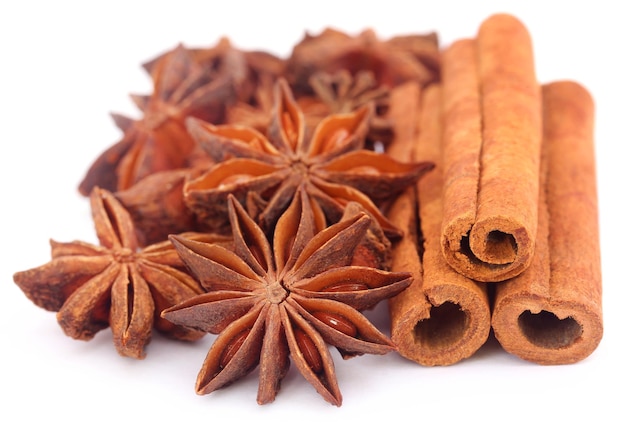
(256, 111)
(257, 65)
(114, 284)
(159, 140)
(341, 92)
(329, 162)
(289, 299)
(393, 61)
(258, 72)
(156, 206)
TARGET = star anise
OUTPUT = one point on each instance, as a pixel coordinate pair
(289, 299)
(156, 206)
(341, 92)
(159, 140)
(328, 161)
(256, 111)
(92, 287)
(258, 65)
(393, 61)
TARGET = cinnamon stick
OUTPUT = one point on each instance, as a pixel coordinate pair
(492, 136)
(552, 313)
(443, 317)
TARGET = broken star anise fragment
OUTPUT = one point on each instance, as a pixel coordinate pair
(116, 284)
(328, 161)
(290, 299)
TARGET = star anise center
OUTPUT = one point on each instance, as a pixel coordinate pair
(276, 293)
(300, 167)
(124, 255)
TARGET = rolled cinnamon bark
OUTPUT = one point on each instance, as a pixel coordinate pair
(443, 317)
(492, 115)
(552, 313)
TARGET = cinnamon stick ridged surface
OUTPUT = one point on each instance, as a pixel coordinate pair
(552, 313)
(492, 134)
(443, 317)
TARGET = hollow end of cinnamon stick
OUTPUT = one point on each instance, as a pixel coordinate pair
(552, 313)
(505, 247)
(443, 317)
(446, 328)
(547, 333)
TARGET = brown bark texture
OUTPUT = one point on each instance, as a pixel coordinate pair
(492, 135)
(443, 317)
(552, 313)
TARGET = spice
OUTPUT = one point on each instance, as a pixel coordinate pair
(341, 92)
(246, 68)
(256, 112)
(269, 302)
(330, 164)
(443, 317)
(393, 61)
(157, 208)
(269, 201)
(552, 313)
(114, 284)
(159, 141)
(492, 135)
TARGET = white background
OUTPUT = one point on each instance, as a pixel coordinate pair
(64, 66)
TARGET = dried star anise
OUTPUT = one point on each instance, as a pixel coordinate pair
(257, 71)
(157, 208)
(159, 140)
(341, 92)
(393, 61)
(114, 284)
(328, 161)
(256, 112)
(257, 66)
(271, 302)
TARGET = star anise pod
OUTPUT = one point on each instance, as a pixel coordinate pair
(254, 92)
(114, 284)
(259, 67)
(269, 303)
(341, 92)
(328, 161)
(256, 111)
(157, 208)
(159, 139)
(393, 61)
